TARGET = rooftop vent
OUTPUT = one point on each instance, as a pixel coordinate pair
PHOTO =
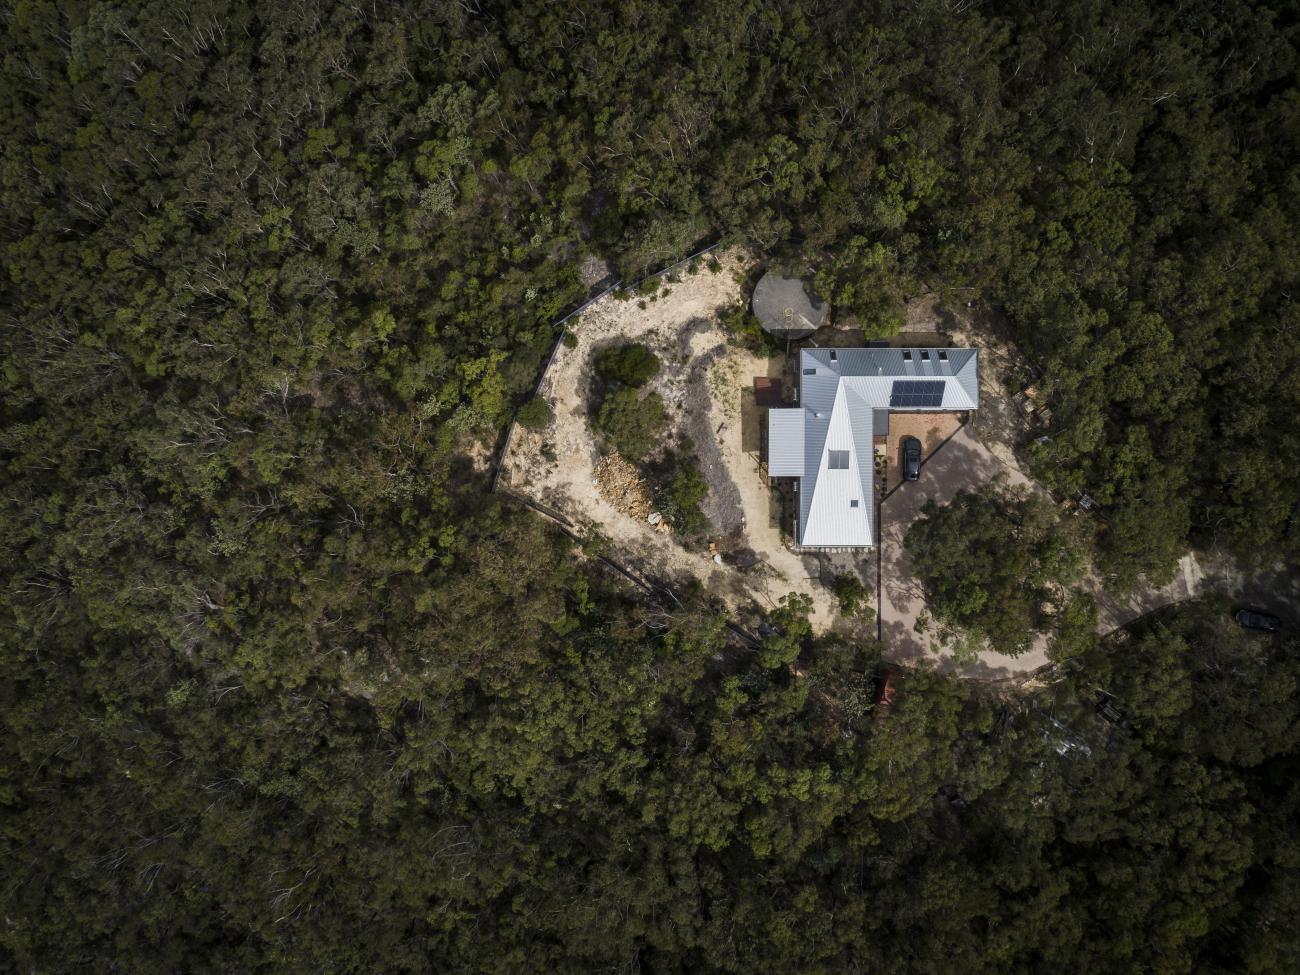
(834, 356)
(925, 355)
(943, 355)
(853, 503)
(907, 355)
(810, 372)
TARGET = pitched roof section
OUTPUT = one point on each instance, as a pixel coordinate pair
(844, 395)
(844, 428)
(873, 372)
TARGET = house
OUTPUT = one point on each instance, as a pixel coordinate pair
(827, 443)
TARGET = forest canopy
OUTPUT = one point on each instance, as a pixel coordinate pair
(994, 560)
(284, 688)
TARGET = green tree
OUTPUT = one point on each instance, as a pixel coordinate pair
(995, 561)
(632, 423)
(536, 414)
(632, 364)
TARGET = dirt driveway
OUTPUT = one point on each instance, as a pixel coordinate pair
(932, 429)
(962, 464)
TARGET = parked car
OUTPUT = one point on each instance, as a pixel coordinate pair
(911, 458)
(1254, 620)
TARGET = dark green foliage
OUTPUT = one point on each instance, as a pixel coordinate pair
(1075, 627)
(281, 687)
(745, 328)
(989, 561)
(790, 629)
(536, 414)
(631, 422)
(632, 364)
(679, 499)
(852, 594)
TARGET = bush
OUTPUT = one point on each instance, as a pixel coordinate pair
(570, 340)
(743, 325)
(631, 365)
(992, 561)
(536, 414)
(631, 422)
(679, 501)
(851, 593)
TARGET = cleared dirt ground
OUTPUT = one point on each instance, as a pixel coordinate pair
(707, 387)
(932, 429)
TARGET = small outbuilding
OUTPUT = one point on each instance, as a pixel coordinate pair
(788, 307)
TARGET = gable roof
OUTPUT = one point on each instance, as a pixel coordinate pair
(843, 396)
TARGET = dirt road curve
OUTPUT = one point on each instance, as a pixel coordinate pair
(964, 463)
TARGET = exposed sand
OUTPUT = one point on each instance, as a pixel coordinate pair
(706, 386)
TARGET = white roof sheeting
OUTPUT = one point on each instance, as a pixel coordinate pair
(785, 443)
(842, 401)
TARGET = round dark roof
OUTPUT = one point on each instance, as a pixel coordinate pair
(788, 307)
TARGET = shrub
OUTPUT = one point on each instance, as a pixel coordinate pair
(743, 325)
(679, 501)
(631, 365)
(991, 561)
(570, 340)
(631, 422)
(536, 414)
(851, 593)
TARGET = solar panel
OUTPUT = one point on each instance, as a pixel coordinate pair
(916, 392)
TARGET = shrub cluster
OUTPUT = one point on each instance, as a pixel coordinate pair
(631, 423)
(632, 364)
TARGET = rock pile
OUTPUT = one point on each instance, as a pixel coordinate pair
(621, 485)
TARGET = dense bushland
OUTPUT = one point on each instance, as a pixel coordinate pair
(282, 689)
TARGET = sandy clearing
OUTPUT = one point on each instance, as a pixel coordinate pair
(706, 386)
(962, 464)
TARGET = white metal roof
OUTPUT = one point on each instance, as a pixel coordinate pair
(843, 396)
(786, 428)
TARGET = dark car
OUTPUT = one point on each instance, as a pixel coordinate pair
(911, 458)
(1253, 620)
